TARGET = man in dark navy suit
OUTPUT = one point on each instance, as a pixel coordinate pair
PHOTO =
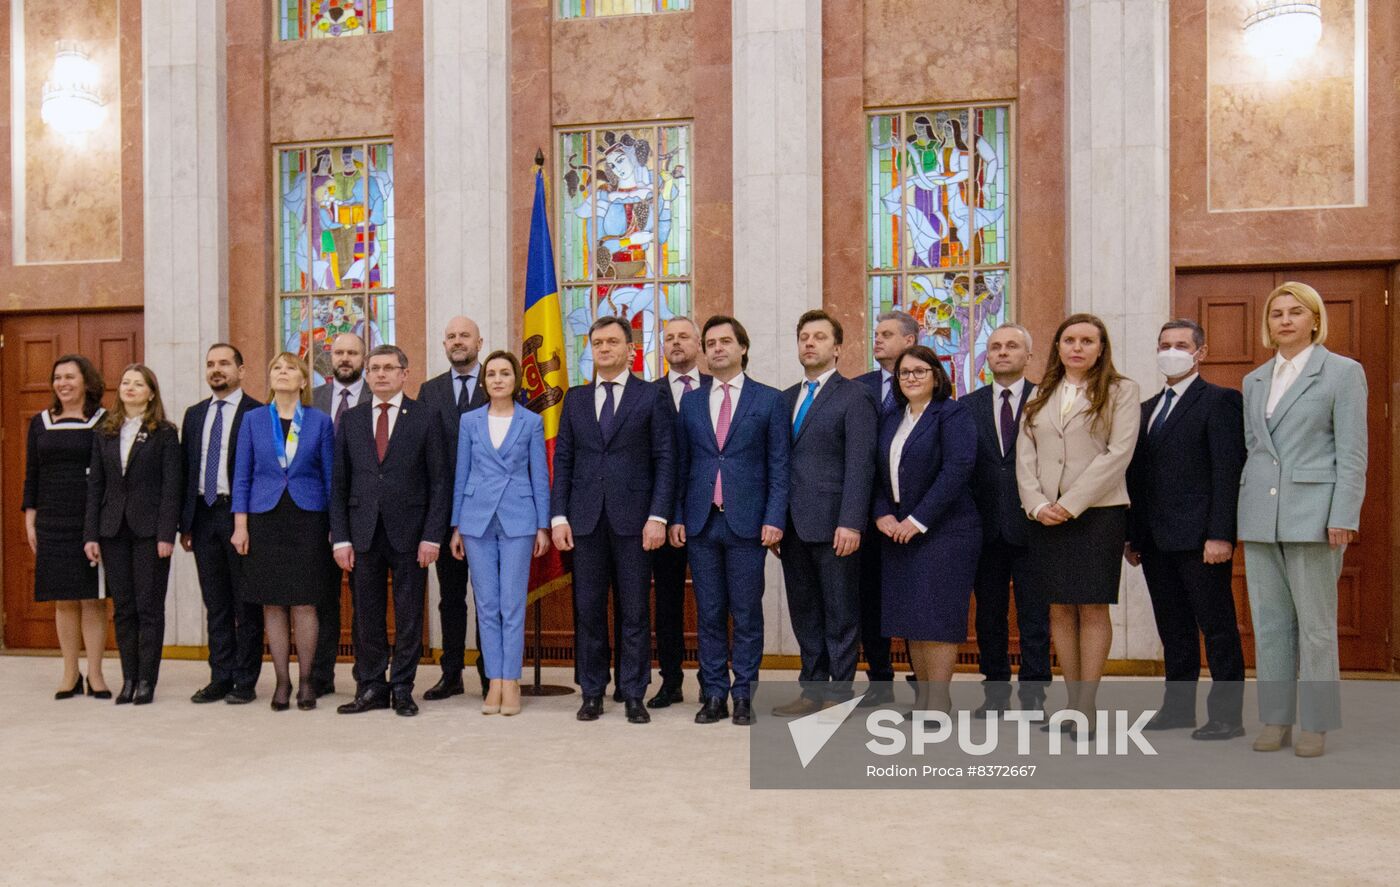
(453, 393)
(210, 440)
(996, 408)
(390, 494)
(894, 332)
(1184, 482)
(614, 480)
(731, 504)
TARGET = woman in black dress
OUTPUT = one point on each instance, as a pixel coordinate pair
(55, 500)
(281, 525)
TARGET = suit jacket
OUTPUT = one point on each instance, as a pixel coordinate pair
(260, 480)
(149, 494)
(1080, 464)
(511, 483)
(437, 393)
(875, 381)
(994, 474)
(1305, 467)
(935, 470)
(623, 477)
(664, 384)
(321, 398)
(409, 490)
(832, 461)
(754, 459)
(192, 439)
(1184, 481)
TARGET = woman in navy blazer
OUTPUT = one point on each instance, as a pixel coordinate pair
(500, 512)
(931, 534)
(281, 523)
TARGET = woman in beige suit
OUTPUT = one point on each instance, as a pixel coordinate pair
(1078, 432)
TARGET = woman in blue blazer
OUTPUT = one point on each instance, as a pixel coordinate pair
(281, 524)
(1300, 505)
(930, 530)
(500, 511)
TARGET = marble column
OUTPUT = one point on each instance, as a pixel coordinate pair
(1119, 234)
(777, 203)
(186, 227)
(465, 91)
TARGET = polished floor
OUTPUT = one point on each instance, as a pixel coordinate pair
(176, 793)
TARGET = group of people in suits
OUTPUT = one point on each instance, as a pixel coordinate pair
(890, 504)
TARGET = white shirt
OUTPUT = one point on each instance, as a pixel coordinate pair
(901, 434)
(1177, 390)
(600, 393)
(130, 428)
(736, 385)
(1016, 388)
(231, 407)
(1286, 372)
(498, 426)
(473, 374)
(802, 389)
(395, 403)
(678, 387)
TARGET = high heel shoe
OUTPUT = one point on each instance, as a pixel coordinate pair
(510, 698)
(69, 694)
(306, 697)
(282, 701)
(491, 705)
(97, 694)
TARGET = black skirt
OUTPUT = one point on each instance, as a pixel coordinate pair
(1081, 560)
(288, 556)
(61, 571)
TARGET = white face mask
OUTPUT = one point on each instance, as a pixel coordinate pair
(1174, 362)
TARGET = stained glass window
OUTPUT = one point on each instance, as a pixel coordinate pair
(625, 239)
(938, 238)
(600, 8)
(322, 19)
(335, 247)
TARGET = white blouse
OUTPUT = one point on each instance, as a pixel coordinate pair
(901, 434)
(129, 430)
(497, 426)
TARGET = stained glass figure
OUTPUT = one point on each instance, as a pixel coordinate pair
(324, 19)
(603, 8)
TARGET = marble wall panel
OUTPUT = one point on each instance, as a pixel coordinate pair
(335, 89)
(635, 67)
(936, 51)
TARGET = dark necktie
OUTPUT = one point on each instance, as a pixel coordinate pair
(464, 397)
(211, 458)
(1162, 414)
(605, 416)
(1008, 423)
(344, 405)
(381, 431)
(888, 402)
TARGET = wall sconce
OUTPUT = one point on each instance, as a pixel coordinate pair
(72, 103)
(1282, 31)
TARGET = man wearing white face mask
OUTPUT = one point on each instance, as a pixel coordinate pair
(1184, 486)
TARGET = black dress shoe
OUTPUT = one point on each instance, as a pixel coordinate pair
(665, 697)
(617, 696)
(145, 693)
(636, 712)
(211, 692)
(1165, 720)
(1218, 730)
(403, 704)
(240, 695)
(712, 711)
(447, 687)
(128, 690)
(69, 694)
(323, 688)
(743, 713)
(98, 694)
(367, 700)
(591, 709)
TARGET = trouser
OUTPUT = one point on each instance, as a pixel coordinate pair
(137, 578)
(1001, 567)
(370, 581)
(823, 593)
(452, 609)
(668, 576)
(876, 646)
(603, 560)
(728, 574)
(235, 626)
(502, 584)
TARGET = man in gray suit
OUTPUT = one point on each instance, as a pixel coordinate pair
(346, 389)
(832, 470)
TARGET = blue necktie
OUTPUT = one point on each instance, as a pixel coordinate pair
(888, 402)
(605, 416)
(806, 405)
(211, 458)
(1162, 415)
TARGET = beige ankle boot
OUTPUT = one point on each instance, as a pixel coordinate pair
(1273, 737)
(1309, 744)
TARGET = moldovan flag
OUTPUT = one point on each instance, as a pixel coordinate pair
(542, 363)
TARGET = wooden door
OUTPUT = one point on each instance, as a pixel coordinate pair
(1229, 305)
(29, 344)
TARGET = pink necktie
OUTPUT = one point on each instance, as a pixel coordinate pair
(726, 409)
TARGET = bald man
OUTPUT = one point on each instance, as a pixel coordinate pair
(452, 394)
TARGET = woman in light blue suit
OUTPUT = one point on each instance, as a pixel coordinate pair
(1299, 507)
(500, 509)
(281, 525)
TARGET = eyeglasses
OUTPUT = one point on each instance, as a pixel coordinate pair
(915, 373)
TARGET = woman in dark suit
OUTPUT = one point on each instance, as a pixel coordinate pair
(135, 483)
(55, 503)
(281, 526)
(924, 510)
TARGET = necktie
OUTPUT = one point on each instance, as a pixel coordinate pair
(888, 402)
(1162, 413)
(688, 382)
(605, 416)
(1008, 423)
(726, 412)
(464, 397)
(805, 406)
(344, 405)
(381, 431)
(211, 457)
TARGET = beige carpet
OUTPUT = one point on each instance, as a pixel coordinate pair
(176, 793)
